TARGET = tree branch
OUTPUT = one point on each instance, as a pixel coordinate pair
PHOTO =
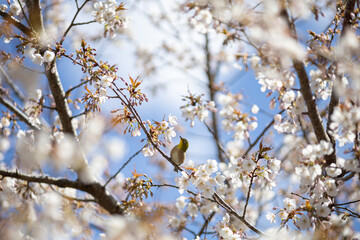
(10, 19)
(313, 111)
(204, 226)
(73, 20)
(217, 142)
(9, 81)
(20, 114)
(35, 17)
(231, 211)
(261, 135)
(211, 81)
(122, 167)
(101, 196)
(334, 99)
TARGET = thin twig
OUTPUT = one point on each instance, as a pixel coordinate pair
(125, 101)
(73, 88)
(190, 231)
(231, 211)
(249, 191)
(84, 23)
(346, 203)
(23, 12)
(123, 166)
(354, 214)
(204, 226)
(217, 142)
(72, 21)
(261, 135)
(174, 186)
(299, 196)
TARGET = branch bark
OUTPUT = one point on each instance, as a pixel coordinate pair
(101, 196)
(211, 81)
(16, 23)
(20, 114)
(313, 111)
(57, 90)
(334, 100)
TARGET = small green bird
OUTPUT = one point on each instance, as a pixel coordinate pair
(178, 152)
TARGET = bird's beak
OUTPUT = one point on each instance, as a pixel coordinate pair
(181, 137)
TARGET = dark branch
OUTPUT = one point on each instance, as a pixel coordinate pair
(20, 114)
(101, 196)
(10, 19)
(123, 166)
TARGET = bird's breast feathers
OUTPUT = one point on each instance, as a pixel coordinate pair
(177, 154)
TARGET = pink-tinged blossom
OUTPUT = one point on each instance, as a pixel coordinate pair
(304, 222)
(331, 188)
(106, 81)
(255, 109)
(5, 122)
(3, 7)
(135, 133)
(274, 165)
(148, 152)
(37, 59)
(180, 202)
(192, 209)
(174, 221)
(226, 233)
(283, 215)
(343, 124)
(169, 134)
(315, 151)
(48, 56)
(211, 166)
(323, 210)
(271, 217)
(202, 21)
(248, 165)
(15, 8)
(288, 98)
(333, 170)
(289, 204)
(182, 182)
(172, 120)
(164, 125)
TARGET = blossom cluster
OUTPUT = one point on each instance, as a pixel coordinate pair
(314, 151)
(197, 107)
(202, 20)
(320, 85)
(4, 136)
(108, 13)
(39, 59)
(344, 119)
(15, 8)
(156, 130)
(233, 119)
(225, 180)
